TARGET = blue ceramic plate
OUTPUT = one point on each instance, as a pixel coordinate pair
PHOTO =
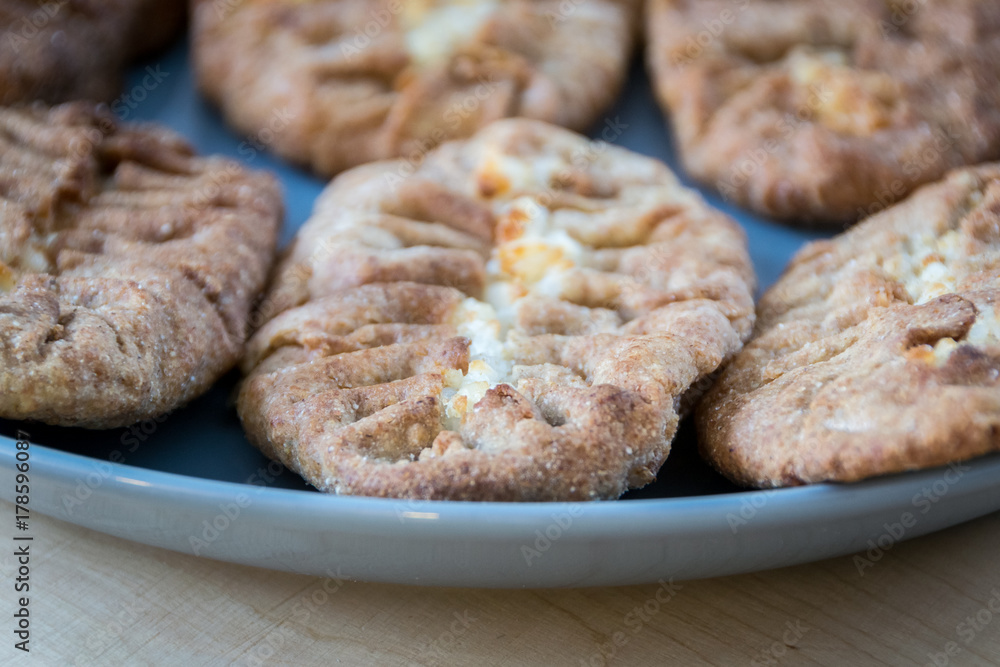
(192, 483)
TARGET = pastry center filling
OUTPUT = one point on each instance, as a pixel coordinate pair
(435, 29)
(850, 101)
(531, 256)
(7, 278)
(924, 267)
(925, 271)
(31, 258)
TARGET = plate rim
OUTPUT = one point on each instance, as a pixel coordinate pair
(806, 503)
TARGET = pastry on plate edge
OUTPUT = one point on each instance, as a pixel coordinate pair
(878, 351)
(128, 265)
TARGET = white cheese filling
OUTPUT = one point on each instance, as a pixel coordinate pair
(924, 272)
(7, 278)
(33, 258)
(531, 256)
(435, 29)
(925, 275)
(488, 361)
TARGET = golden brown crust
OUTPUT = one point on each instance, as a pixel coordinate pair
(826, 112)
(338, 83)
(66, 50)
(128, 266)
(612, 291)
(876, 352)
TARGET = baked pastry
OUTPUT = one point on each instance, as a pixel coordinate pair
(823, 112)
(525, 317)
(77, 49)
(128, 266)
(337, 83)
(877, 352)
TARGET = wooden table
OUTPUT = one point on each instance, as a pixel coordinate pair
(98, 600)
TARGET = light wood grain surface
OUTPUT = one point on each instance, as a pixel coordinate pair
(99, 600)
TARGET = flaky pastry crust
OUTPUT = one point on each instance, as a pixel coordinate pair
(128, 266)
(337, 83)
(523, 318)
(877, 351)
(823, 112)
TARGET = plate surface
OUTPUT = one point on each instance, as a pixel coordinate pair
(192, 483)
